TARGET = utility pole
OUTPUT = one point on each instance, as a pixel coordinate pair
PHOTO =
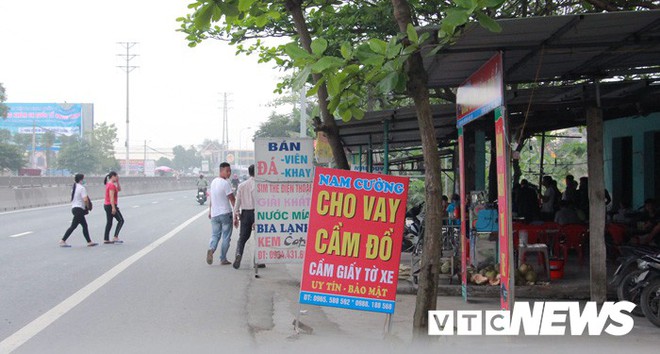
(225, 127)
(127, 68)
(225, 123)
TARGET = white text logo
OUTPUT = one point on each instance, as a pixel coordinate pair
(544, 319)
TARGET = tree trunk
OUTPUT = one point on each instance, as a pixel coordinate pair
(597, 251)
(329, 126)
(427, 294)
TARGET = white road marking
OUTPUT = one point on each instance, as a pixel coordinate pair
(33, 328)
(135, 206)
(154, 202)
(171, 199)
(22, 234)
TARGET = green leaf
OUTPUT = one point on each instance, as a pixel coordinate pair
(393, 48)
(490, 3)
(244, 5)
(301, 77)
(346, 50)
(345, 114)
(229, 9)
(326, 63)
(467, 4)
(352, 69)
(357, 113)
(456, 17)
(378, 46)
(261, 21)
(374, 60)
(319, 45)
(488, 23)
(388, 83)
(295, 52)
(202, 17)
(332, 83)
(434, 51)
(315, 89)
(409, 49)
(334, 102)
(412, 33)
(424, 37)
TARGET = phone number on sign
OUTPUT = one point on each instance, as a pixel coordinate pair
(334, 300)
(275, 254)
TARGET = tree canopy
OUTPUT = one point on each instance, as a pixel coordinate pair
(3, 98)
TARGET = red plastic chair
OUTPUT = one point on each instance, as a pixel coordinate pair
(575, 238)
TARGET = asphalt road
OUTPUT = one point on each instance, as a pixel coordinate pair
(154, 291)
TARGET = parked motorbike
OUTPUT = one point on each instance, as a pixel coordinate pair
(650, 298)
(628, 260)
(201, 196)
(413, 230)
(632, 285)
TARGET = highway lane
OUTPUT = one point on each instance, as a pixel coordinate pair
(154, 303)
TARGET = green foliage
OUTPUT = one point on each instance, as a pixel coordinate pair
(164, 161)
(185, 159)
(3, 98)
(78, 156)
(416, 192)
(103, 142)
(12, 157)
(93, 155)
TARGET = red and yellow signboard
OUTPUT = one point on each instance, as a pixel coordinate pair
(354, 240)
(504, 210)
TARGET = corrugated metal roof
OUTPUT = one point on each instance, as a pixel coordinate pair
(559, 48)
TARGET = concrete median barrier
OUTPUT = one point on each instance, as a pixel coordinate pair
(30, 192)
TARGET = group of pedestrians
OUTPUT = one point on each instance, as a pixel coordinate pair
(81, 205)
(227, 211)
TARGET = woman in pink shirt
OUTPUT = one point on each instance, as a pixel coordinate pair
(112, 188)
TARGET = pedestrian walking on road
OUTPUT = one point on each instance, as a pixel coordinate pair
(112, 189)
(244, 214)
(80, 206)
(220, 211)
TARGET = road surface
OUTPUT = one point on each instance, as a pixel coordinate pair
(155, 293)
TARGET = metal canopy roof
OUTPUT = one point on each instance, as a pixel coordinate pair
(558, 48)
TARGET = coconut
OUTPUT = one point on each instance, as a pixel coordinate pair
(445, 268)
(479, 279)
(530, 277)
(495, 281)
(525, 268)
(491, 274)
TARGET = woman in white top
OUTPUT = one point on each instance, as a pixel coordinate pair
(79, 205)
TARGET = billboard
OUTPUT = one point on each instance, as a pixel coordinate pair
(61, 119)
(354, 240)
(482, 92)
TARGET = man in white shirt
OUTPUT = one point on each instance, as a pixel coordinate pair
(244, 212)
(220, 211)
